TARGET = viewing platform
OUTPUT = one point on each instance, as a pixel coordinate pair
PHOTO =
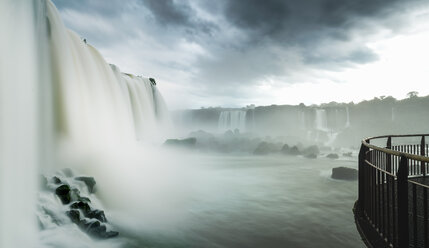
(392, 207)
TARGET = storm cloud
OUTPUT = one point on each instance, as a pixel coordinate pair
(220, 48)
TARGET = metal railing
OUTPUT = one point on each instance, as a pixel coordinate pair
(393, 195)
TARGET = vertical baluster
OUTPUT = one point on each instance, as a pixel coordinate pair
(374, 207)
(425, 217)
(422, 153)
(383, 204)
(380, 201)
(403, 238)
(394, 214)
(395, 167)
(414, 214)
(412, 160)
(413, 151)
(376, 198)
(369, 188)
(388, 186)
(410, 165)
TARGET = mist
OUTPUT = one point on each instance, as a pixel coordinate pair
(104, 142)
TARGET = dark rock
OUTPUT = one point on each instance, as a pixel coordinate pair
(184, 143)
(63, 192)
(294, 151)
(83, 206)
(152, 81)
(74, 215)
(344, 173)
(311, 151)
(97, 214)
(96, 229)
(285, 149)
(332, 156)
(89, 181)
(56, 180)
(347, 154)
(265, 148)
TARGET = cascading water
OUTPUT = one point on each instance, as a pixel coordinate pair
(25, 123)
(347, 117)
(231, 120)
(99, 105)
(321, 120)
(55, 87)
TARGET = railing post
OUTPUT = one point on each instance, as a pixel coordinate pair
(422, 152)
(403, 203)
(361, 174)
(389, 156)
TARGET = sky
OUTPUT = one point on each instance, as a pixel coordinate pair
(232, 53)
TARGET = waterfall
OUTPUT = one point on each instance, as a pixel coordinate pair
(321, 120)
(231, 120)
(55, 87)
(347, 118)
(25, 117)
(99, 105)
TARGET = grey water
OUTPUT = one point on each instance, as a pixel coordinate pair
(273, 201)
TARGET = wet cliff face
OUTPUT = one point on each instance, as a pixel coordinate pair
(332, 124)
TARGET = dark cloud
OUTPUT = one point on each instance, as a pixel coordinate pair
(246, 41)
(267, 16)
(169, 13)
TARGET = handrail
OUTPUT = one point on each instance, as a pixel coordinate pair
(393, 152)
(419, 184)
(393, 200)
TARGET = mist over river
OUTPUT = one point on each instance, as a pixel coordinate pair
(266, 201)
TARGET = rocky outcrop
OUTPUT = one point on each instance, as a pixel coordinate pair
(311, 152)
(332, 156)
(265, 148)
(344, 173)
(294, 150)
(89, 181)
(81, 211)
(182, 143)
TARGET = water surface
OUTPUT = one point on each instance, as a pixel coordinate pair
(248, 201)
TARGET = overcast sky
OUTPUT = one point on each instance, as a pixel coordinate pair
(236, 52)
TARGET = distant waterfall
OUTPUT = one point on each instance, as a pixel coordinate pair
(347, 117)
(321, 120)
(231, 120)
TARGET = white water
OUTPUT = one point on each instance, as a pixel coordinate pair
(25, 117)
(57, 91)
(99, 105)
(321, 120)
(348, 118)
(231, 120)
